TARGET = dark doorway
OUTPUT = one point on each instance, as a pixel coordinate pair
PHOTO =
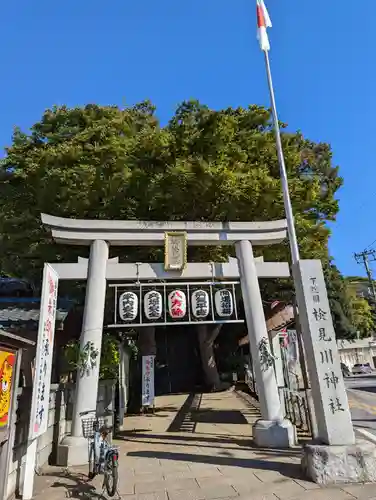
(178, 363)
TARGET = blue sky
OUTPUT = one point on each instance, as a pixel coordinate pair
(115, 52)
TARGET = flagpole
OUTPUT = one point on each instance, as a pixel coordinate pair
(282, 168)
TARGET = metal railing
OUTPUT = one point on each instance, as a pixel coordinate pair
(297, 409)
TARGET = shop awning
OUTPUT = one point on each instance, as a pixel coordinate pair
(18, 314)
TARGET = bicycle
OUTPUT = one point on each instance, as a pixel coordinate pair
(103, 457)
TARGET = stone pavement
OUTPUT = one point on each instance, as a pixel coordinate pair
(197, 447)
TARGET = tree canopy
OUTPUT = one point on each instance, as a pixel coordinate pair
(340, 302)
(106, 162)
(363, 305)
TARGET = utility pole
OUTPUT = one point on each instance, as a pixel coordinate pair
(364, 258)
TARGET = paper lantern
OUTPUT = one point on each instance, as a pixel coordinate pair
(153, 305)
(128, 306)
(224, 303)
(177, 304)
(200, 304)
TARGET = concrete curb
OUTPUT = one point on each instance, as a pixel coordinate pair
(365, 434)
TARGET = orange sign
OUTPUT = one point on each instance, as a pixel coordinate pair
(7, 364)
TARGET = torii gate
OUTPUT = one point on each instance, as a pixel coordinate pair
(334, 426)
(272, 430)
(335, 433)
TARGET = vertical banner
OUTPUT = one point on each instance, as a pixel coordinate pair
(148, 393)
(7, 372)
(42, 374)
(45, 346)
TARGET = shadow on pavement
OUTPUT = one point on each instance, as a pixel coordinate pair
(74, 485)
(363, 420)
(290, 470)
(202, 439)
(182, 421)
(219, 417)
(365, 388)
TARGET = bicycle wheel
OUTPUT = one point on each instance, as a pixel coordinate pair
(92, 462)
(111, 473)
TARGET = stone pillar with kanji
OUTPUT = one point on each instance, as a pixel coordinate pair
(335, 456)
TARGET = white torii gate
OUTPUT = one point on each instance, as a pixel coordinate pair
(334, 426)
(272, 430)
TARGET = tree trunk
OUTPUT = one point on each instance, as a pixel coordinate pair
(206, 338)
(146, 341)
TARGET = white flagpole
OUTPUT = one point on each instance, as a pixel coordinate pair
(282, 168)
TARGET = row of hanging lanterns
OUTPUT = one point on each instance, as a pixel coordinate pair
(177, 304)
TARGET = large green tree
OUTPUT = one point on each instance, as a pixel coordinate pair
(106, 162)
(362, 305)
(340, 302)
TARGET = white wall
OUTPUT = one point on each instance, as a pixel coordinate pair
(59, 400)
(59, 425)
(357, 351)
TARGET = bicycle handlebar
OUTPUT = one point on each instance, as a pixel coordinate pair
(106, 412)
(82, 413)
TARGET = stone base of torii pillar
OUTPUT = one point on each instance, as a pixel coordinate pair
(328, 464)
(274, 434)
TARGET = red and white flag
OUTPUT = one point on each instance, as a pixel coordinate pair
(263, 22)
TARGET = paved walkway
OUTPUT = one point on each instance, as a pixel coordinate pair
(198, 447)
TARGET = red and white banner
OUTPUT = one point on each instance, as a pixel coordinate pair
(45, 346)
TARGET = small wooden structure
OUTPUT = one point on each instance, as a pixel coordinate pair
(11, 346)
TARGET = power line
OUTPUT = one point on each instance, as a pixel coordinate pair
(369, 246)
(364, 258)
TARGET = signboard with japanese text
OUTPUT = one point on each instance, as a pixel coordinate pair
(148, 380)
(45, 345)
(175, 251)
(7, 373)
(328, 389)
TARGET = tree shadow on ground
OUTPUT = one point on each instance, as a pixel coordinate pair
(364, 420)
(182, 421)
(365, 388)
(190, 414)
(219, 417)
(291, 470)
(197, 438)
(74, 485)
(245, 444)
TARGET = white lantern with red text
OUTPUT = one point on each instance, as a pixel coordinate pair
(200, 304)
(224, 303)
(153, 305)
(128, 306)
(177, 304)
